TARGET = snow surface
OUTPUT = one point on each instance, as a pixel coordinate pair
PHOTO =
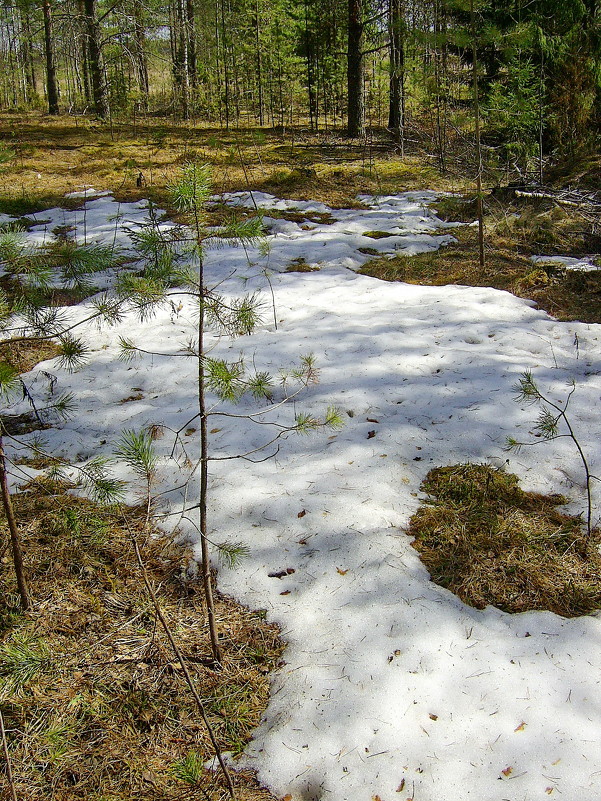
(585, 263)
(391, 686)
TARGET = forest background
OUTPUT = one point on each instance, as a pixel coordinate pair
(312, 100)
(353, 65)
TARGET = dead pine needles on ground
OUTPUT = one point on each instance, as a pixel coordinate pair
(485, 539)
(93, 698)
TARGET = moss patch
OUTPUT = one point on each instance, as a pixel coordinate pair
(489, 542)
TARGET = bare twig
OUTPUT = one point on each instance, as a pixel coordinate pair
(182, 662)
(9, 772)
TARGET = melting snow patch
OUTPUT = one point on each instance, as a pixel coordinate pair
(585, 263)
(391, 686)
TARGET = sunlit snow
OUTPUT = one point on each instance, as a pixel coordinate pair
(391, 686)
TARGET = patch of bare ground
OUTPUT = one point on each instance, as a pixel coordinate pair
(485, 539)
(512, 236)
(93, 699)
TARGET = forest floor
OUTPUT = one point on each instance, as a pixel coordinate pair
(109, 717)
(56, 156)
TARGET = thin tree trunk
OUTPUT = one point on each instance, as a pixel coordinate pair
(51, 83)
(355, 68)
(477, 132)
(258, 61)
(396, 111)
(180, 56)
(191, 35)
(226, 76)
(97, 71)
(541, 121)
(28, 51)
(15, 539)
(310, 61)
(140, 47)
(84, 55)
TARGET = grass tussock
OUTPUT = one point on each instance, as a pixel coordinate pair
(93, 699)
(26, 353)
(489, 542)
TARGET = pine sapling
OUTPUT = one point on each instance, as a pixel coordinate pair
(554, 423)
(223, 315)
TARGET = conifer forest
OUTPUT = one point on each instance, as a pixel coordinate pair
(400, 65)
(300, 391)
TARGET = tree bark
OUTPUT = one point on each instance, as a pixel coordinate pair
(51, 83)
(191, 37)
(396, 111)
(259, 64)
(28, 50)
(179, 54)
(97, 71)
(140, 50)
(84, 56)
(355, 69)
(480, 211)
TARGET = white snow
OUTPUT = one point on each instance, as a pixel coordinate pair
(391, 686)
(585, 263)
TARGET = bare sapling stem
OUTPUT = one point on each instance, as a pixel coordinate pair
(15, 539)
(182, 662)
(204, 470)
(204, 454)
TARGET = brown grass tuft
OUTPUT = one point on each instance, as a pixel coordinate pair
(26, 353)
(92, 696)
(489, 542)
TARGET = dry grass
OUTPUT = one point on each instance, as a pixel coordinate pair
(510, 240)
(25, 354)
(93, 699)
(63, 154)
(489, 542)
